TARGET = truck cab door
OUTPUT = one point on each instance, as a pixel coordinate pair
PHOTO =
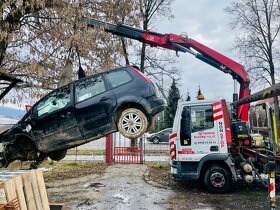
(198, 135)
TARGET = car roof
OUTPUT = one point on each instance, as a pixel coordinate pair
(166, 129)
(97, 74)
(84, 78)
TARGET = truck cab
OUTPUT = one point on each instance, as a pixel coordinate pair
(201, 137)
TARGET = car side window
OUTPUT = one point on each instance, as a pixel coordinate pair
(167, 132)
(88, 88)
(56, 100)
(118, 78)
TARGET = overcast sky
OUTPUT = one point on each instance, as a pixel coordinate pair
(208, 23)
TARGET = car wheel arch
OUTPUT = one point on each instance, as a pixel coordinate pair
(127, 105)
(21, 148)
(25, 137)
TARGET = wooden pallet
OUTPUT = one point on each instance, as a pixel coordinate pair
(23, 190)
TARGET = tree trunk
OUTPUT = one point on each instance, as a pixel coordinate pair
(143, 49)
(66, 74)
(125, 51)
(133, 142)
(276, 102)
(143, 55)
(3, 48)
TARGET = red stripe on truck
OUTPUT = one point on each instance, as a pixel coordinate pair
(173, 135)
(218, 117)
(217, 110)
(216, 103)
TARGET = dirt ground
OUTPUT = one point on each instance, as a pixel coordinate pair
(94, 185)
(146, 187)
(120, 187)
(192, 195)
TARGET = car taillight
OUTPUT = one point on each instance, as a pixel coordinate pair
(141, 74)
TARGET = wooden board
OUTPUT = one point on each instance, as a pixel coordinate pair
(26, 187)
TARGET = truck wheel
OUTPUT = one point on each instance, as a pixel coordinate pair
(217, 179)
(156, 140)
(132, 123)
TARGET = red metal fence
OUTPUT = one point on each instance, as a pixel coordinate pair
(128, 155)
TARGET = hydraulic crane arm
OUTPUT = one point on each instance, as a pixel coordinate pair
(185, 44)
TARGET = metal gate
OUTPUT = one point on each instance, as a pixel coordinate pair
(124, 153)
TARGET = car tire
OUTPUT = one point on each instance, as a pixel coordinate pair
(57, 155)
(132, 123)
(156, 140)
(217, 179)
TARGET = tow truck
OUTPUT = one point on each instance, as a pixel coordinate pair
(210, 140)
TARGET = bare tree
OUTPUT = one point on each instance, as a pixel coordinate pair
(150, 9)
(36, 37)
(258, 40)
(157, 64)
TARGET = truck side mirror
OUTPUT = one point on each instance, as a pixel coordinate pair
(185, 130)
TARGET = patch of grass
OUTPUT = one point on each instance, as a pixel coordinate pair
(159, 165)
(103, 152)
(63, 169)
(159, 172)
(86, 152)
(156, 152)
(68, 170)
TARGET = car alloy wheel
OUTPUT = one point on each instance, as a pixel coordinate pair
(132, 123)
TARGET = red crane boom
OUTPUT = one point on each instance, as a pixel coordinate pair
(185, 44)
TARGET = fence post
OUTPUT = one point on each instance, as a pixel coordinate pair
(141, 150)
(109, 142)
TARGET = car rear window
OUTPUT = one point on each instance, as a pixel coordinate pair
(118, 78)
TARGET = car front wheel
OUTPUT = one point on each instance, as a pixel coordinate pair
(132, 123)
(156, 140)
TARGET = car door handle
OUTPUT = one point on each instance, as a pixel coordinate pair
(104, 99)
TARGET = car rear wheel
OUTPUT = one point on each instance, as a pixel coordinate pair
(132, 123)
(57, 155)
(156, 140)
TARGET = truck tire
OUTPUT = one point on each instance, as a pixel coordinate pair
(217, 179)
